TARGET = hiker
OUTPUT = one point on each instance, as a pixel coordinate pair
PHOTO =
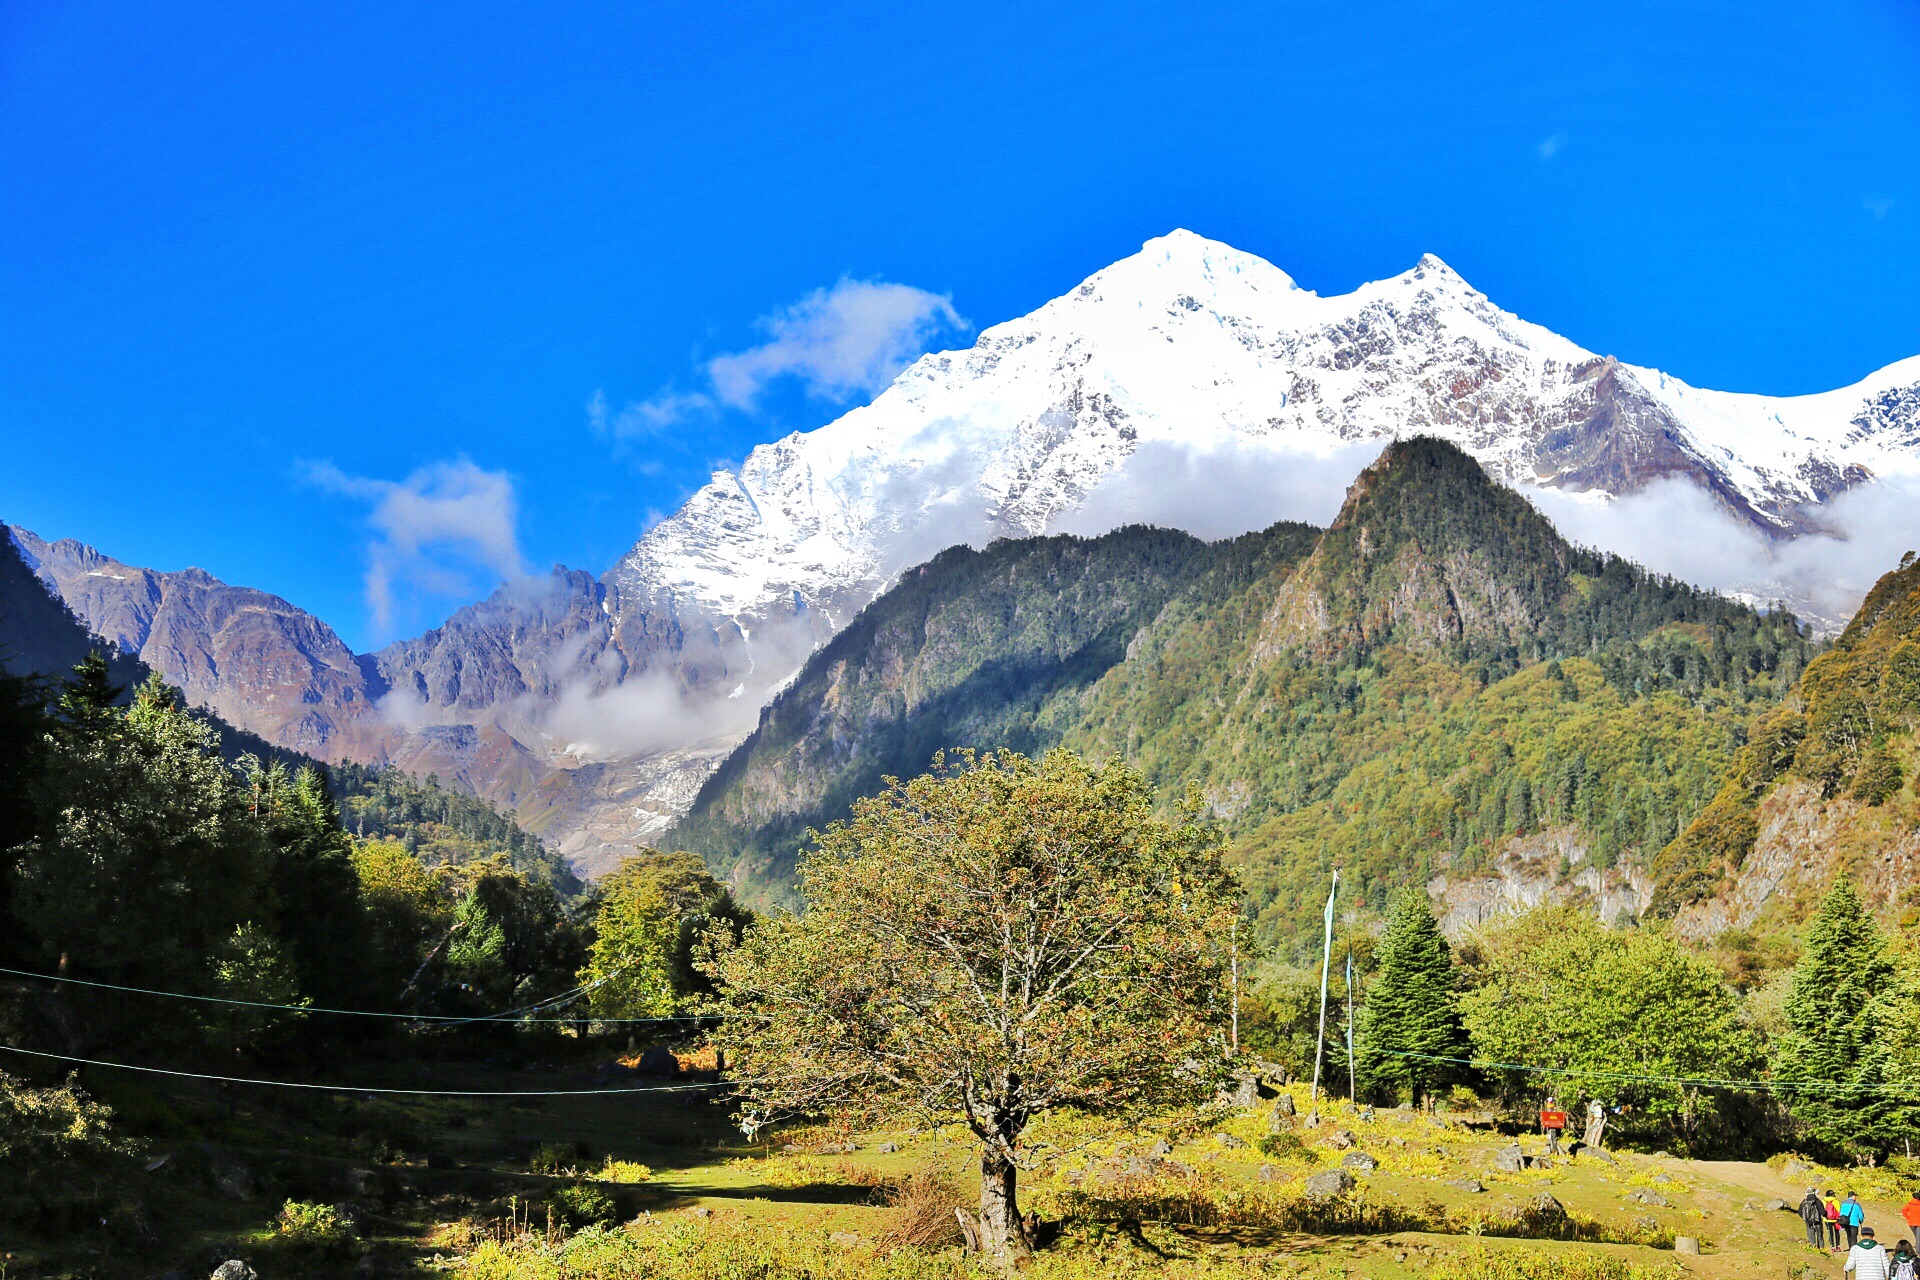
(1903, 1265)
(1814, 1214)
(1553, 1122)
(1832, 1211)
(1867, 1260)
(1852, 1214)
(1912, 1214)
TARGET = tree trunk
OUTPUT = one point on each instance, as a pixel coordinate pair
(1003, 1236)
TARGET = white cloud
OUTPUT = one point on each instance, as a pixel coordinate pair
(852, 339)
(431, 532)
(1879, 207)
(1552, 146)
(1673, 527)
(1220, 490)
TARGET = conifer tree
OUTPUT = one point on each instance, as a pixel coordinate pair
(1843, 1015)
(1412, 1008)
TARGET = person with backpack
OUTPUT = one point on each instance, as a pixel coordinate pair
(1867, 1260)
(1814, 1214)
(1852, 1214)
(1903, 1265)
(1912, 1214)
(1832, 1212)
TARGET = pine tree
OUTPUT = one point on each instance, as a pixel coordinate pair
(1842, 1012)
(1412, 1008)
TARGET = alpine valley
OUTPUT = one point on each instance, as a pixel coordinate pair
(1437, 684)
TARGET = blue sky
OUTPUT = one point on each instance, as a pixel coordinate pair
(274, 276)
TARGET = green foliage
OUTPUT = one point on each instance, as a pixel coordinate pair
(40, 1126)
(1557, 989)
(440, 824)
(646, 918)
(988, 943)
(581, 1204)
(1411, 1008)
(1847, 1000)
(316, 1228)
(512, 942)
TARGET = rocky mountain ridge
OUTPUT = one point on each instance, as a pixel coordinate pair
(598, 706)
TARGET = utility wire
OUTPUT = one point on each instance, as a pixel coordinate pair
(350, 1088)
(508, 1016)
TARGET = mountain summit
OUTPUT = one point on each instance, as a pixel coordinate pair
(598, 707)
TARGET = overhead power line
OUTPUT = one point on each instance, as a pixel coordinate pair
(354, 1088)
(510, 1015)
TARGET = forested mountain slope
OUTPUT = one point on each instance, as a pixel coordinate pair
(1824, 788)
(1443, 676)
(1432, 684)
(987, 649)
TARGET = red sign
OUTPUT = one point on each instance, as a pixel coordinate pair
(1553, 1119)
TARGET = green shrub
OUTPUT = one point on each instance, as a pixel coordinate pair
(1526, 1264)
(1284, 1146)
(316, 1227)
(623, 1171)
(552, 1157)
(1879, 778)
(581, 1204)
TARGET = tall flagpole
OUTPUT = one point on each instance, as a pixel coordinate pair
(1326, 959)
(1353, 1094)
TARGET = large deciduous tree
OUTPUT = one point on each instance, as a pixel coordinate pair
(1410, 1025)
(985, 943)
(1627, 1016)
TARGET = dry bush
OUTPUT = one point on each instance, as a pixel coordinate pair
(921, 1210)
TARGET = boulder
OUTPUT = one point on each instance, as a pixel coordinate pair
(1687, 1244)
(234, 1269)
(887, 1148)
(1794, 1170)
(1267, 1173)
(1283, 1105)
(1775, 1205)
(1245, 1091)
(1333, 1182)
(1468, 1184)
(231, 1179)
(1663, 1177)
(1640, 1195)
(1546, 1211)
(1510, 1159)
(1340, 1139)
(658, 1061)
(1160, 1148)
(1359, 1162)
(1230, 1142)
(700, 1211)
(1600, 1154)
(1539, 1162)
(362, 1182)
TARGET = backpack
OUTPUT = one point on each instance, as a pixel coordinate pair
(1902, 1267)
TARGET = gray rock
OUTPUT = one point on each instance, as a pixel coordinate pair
(1510, 1159)
(1359, 1162)
(1468, 1184)
(887, 1148)
(234, 1269)
(1230, 1142)
(1244, 1093)
(1333, 1182)
(1600, 1154)
(1794, 1170)
(1172, 1169)
(700, 1211)
(1539, 1162)
(231, 1179)
(1340, 1139)
(1663, 1177)
(1283, 1105)
(658, 1061)
(1640, 1195)
(362, 1182)
(1160, 1148)
(1546, 1210)
(1774, 1205)
(1267, 1173)
(844, 1240)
